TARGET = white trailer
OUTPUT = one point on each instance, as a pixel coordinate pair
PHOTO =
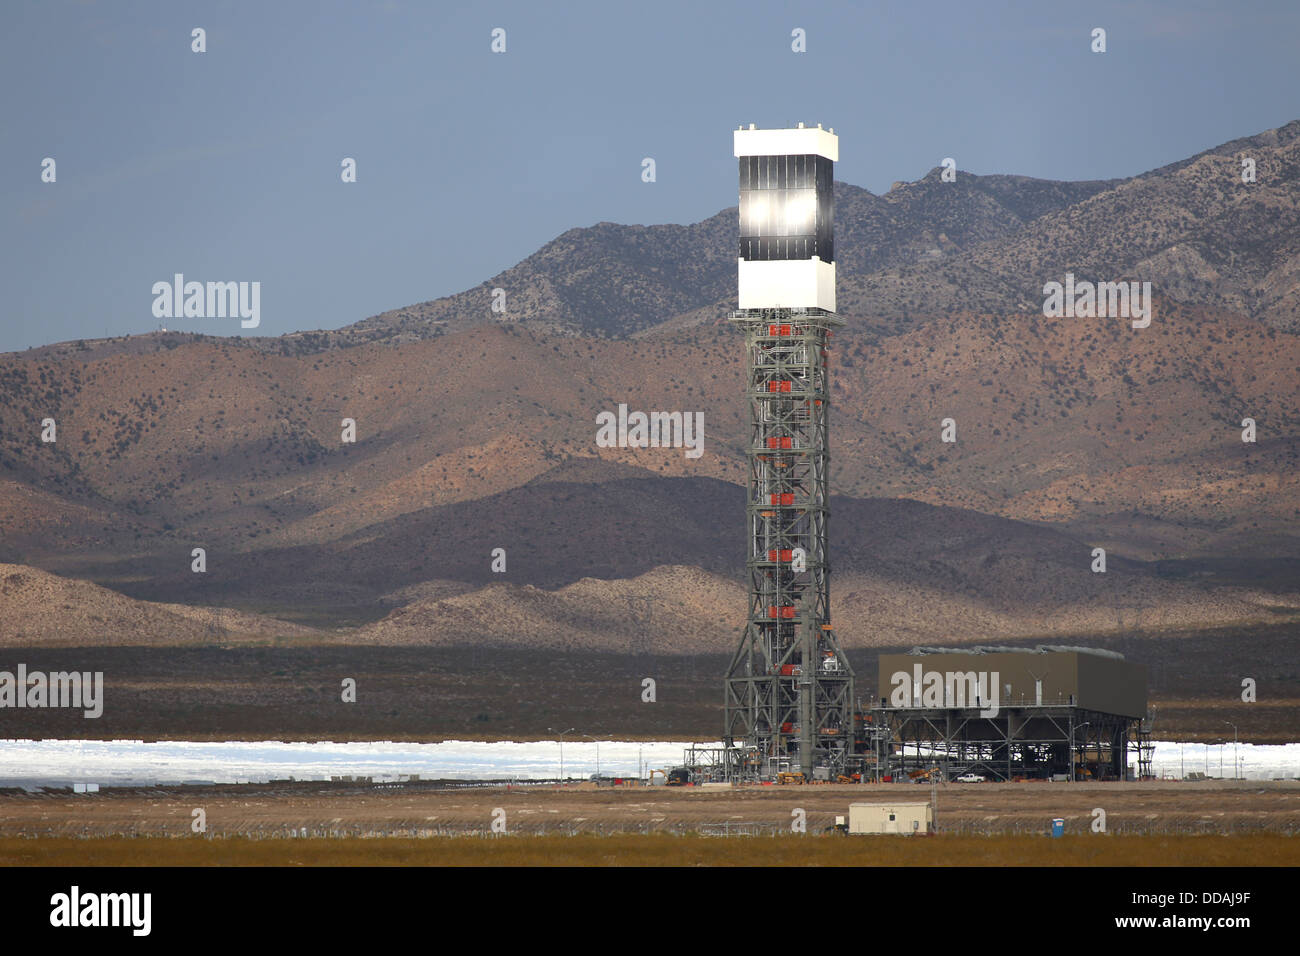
(902, 818)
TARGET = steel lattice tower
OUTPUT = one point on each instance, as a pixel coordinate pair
(789, 690)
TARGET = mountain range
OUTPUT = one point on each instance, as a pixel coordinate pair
(475, 431)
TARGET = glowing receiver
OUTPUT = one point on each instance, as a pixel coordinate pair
(787, 218)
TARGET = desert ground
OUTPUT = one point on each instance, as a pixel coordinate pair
(429, 808)
(1185, 824)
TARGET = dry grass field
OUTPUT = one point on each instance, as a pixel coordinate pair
(283, 815)
(661, 849)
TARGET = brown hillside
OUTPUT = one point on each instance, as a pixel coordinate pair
(678, 610)
(982, 243)
(1073, 420)
(40, 609)
(1072, 433)
(1194, 230)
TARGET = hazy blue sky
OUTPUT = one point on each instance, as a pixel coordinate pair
(225, 165)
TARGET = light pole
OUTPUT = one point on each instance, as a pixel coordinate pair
(597, 740)
(1235, 766)
(562, 733)
(934, 801)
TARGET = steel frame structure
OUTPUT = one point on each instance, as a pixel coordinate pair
(1146, 747)
(1019, 741)
(788, 698)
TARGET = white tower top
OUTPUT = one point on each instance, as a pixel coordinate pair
(801, 141)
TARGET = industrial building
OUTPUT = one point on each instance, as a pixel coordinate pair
(790, 710)
(1007, 713)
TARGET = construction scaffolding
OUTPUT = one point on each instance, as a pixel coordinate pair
(1021, 742)
(788, 704)
(1146, 747)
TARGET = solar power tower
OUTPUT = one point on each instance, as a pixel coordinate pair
(789, 689)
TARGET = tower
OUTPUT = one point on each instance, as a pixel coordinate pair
(789, 689)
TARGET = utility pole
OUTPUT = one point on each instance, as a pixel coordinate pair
(562, 733)
(1236, 769)
(934, 800)
(597, 740)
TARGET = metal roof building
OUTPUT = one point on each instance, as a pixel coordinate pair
(1008, 713)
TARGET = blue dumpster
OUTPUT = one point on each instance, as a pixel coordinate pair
(1058, 826)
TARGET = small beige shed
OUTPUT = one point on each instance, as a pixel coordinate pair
(904, 818)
